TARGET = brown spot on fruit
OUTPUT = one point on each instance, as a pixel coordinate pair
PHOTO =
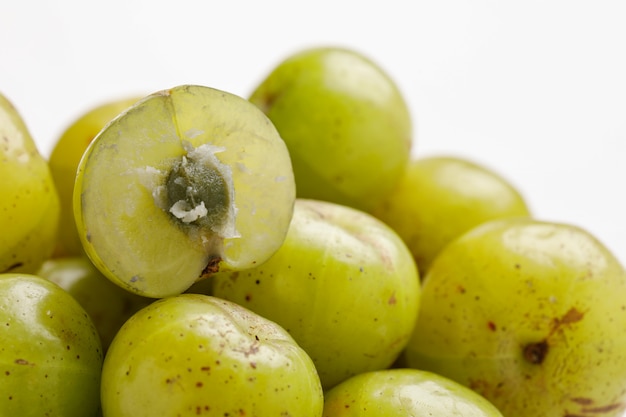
(12, 267)
(604, 409)
(535, 353)
(212, 267)
(572, 316)
(492, 326)
(582, 400)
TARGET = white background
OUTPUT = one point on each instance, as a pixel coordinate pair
(533, 89)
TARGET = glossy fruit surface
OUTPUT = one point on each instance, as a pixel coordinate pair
(108, 305)
(50, 355)
(29, 203)
(441, 197)
(64, 160)
(345, 122)
(405, 393)
(343, 284)
(193, 354)
(529, 314)
(186, 182)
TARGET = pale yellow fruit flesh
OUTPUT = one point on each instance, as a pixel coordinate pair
(64, 160)
(123, 226)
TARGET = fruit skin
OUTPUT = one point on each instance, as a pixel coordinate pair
(405, 392)
(50, 357)
(343, 284)
(64, 160)
(440, 197)
(120, 203)
(529, 314)
(194, 354)
(344, 120)
(108, 305)
(29, 203)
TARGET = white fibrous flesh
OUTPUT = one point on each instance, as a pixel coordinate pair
(182, 210)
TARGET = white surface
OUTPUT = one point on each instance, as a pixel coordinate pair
(534, 89)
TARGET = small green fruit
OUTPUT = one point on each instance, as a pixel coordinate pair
(531, 315)
(29, 203)
(50, 355)
(405, 393)
(192, 354)
(345, 122)
(441, 197)
(343, 284)
(108, 305)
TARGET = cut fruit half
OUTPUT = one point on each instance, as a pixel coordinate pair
(186, 182)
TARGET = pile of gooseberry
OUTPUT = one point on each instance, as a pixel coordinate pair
(192, 252)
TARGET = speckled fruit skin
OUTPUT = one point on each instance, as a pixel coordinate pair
(108, 305)
(50, 355)
(531, 315)
(441, 197)
(121, 180)
(405, 392)
(343, 284)
(344, 120)
(64, 160)
(194, 354)
(29, 202)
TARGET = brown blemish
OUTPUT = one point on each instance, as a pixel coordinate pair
(171, 381)
(592, 410)
(23, 362)
(492, 326)
(582, 400)
(603, 409)
(392, 300)
(13, 267)
(267, 101)
(535, 353)
(572, 316)
(212, 267)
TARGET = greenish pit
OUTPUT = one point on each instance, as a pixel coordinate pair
(196, 182)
